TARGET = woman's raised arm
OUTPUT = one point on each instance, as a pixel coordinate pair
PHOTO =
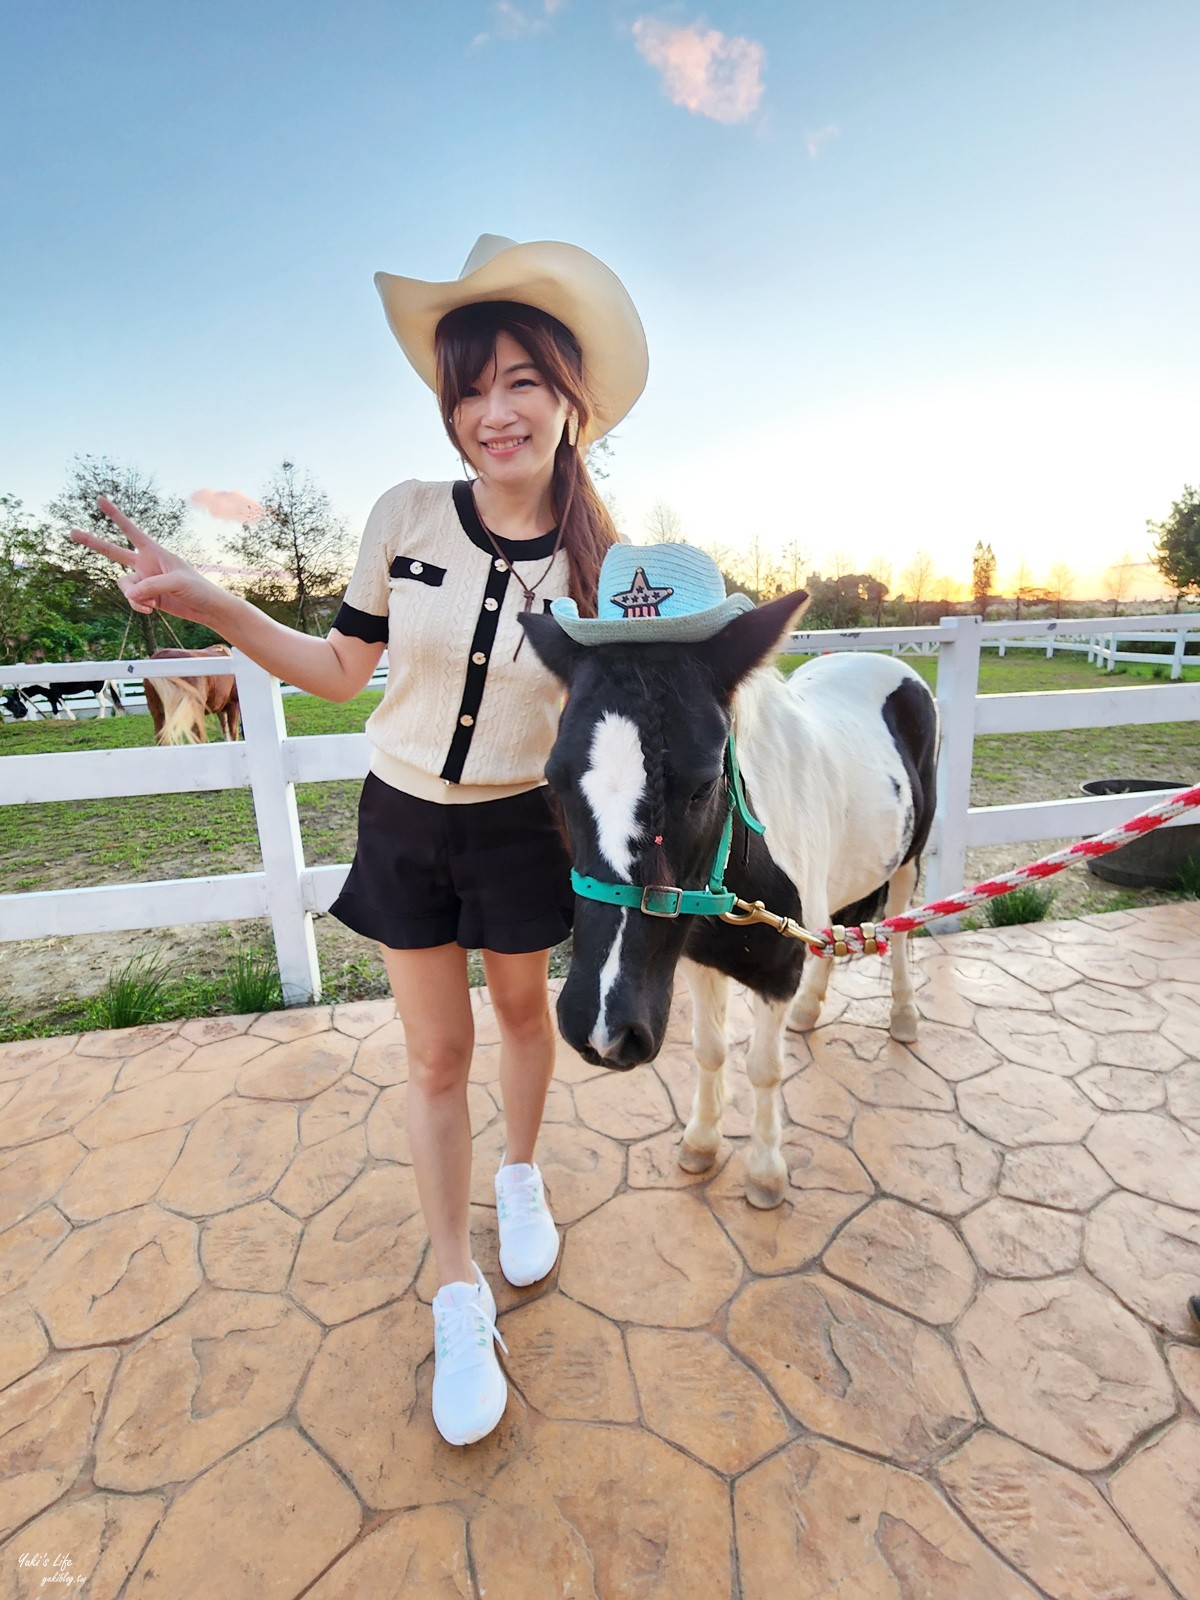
(336, 668)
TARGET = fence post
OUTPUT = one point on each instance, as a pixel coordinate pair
(278, 832)
(1177, 656)
(1112, 652)
(957, 687)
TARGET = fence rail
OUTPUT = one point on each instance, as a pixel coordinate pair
(270, 763)
(1103, 647)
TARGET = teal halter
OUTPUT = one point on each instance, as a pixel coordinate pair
(664, 900)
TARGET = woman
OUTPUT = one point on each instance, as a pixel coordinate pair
(534, 351)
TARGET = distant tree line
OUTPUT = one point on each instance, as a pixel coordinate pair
(849, 597)
(61, 602)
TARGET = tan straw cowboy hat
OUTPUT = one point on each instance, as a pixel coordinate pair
(559, 278)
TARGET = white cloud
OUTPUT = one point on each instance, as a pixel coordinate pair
(511, 21)
(228, 505)
(704, 70)
(814, 141)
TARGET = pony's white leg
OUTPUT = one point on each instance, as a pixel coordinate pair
(815, 973)
(710, 999)
(903, 1024)
(766, 1170)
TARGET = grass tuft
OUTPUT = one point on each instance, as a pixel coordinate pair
(132, 995)
(1026, 904)
(252, 979)
(1189, 878)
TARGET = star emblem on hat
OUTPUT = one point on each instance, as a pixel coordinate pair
(641, 599)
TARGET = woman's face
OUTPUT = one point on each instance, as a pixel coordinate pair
(510, 421)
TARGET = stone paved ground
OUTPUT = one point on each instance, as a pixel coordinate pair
(956, 1363)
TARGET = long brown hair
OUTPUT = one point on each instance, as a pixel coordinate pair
(466, 342)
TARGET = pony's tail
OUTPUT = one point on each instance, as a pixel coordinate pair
(183, 712)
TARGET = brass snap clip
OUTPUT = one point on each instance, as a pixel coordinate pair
(745, 912)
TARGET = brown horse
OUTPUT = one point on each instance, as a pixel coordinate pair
(177, 705)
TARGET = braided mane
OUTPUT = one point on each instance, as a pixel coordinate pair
(642, 689)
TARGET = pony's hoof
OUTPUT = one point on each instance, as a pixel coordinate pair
(802, 1018)
(763, 1196)
(695, 1160)
(903, 1024)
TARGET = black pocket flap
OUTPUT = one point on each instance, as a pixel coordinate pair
(420, 571)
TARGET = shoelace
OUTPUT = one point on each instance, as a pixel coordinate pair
(518, 1202)
(460, 1332)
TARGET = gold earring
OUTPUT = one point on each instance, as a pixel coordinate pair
(572, 430)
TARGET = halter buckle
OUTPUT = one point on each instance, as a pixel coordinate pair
(660, 889)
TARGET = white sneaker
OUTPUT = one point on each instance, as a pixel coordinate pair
(469, 1391)
(528, 1237)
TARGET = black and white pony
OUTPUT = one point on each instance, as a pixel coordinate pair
(18, 701)
(839, 766)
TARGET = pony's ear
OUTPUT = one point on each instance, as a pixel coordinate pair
(750, 638)
(556, 650)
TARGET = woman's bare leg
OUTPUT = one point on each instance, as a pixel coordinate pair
(517, 985)
(434, 1004)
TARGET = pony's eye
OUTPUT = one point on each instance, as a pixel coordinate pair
(703, 793)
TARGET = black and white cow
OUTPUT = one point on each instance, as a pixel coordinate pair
(839, 766)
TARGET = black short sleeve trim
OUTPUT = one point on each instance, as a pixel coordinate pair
(356, 624)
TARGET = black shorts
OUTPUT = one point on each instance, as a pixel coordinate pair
(489, 876)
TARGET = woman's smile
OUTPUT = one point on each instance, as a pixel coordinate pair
(505, 447)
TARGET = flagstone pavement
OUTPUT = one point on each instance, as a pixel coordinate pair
(956, 1364)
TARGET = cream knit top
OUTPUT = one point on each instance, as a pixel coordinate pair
(461, 720)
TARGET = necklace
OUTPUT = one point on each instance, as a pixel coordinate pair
(528, 590)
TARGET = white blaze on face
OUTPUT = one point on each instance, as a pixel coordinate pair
(613, 786)
(600, 1037)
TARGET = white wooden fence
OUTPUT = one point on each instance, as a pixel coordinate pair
(1104, 648)
(270, 764)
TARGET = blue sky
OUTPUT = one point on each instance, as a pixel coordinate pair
(912, 274)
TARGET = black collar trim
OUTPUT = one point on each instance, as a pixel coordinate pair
(513, 549)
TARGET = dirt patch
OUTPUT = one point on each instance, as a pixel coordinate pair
(42, 973)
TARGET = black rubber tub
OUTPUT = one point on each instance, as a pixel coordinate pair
(1156, 859)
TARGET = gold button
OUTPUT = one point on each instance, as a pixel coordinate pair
(416, 567)
(467, 722)
(489, 604)
(500, 566)
(479, 658)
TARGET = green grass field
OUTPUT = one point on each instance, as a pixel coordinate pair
(72, 844)
(75, 844)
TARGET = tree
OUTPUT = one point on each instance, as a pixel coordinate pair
(1116, 581)
(664, 524)
(727, 563)
(793, 562)
(983, 576)
(917, 579)
(1060, 585)
(296, 545)
(1023, 590)
(35, 598)
(879, 581)
(756, 572)
(1176, 551)
(599, 458)
(160, 515)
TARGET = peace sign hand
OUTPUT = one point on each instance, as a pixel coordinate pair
(155, 578)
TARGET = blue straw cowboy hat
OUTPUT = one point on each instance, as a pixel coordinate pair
(653, 594)
(584, 294)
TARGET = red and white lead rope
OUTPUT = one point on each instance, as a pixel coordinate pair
(1101, 845)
